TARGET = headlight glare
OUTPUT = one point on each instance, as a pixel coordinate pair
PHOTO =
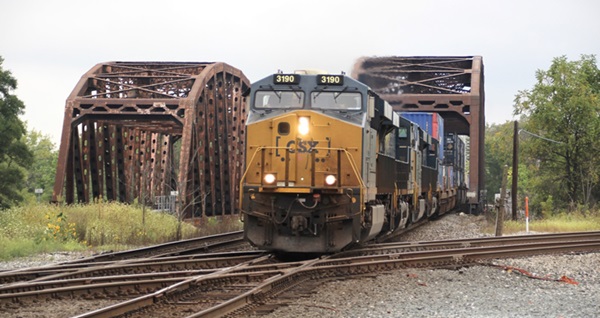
(330, 180)
(303, 125)
(270, 178)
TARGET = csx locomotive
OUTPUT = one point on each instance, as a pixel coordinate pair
(330, 164)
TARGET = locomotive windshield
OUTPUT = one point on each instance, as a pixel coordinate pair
(278, 99)
(336, 100)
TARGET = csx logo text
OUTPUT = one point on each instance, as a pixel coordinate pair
(302, 146)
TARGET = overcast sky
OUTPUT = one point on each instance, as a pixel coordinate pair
(49, 45)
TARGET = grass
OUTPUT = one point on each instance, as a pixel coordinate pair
(38, 228)
(574, 222)
(43, 228)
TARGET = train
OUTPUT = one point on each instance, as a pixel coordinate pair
(329, 164)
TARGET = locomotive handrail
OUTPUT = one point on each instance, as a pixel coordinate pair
(244, 177)
(362, 185)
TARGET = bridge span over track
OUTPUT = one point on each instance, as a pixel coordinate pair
(452, 86)
(141, 130)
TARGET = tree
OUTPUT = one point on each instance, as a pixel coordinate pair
(13, 151)
(563, 108)
(498, 153)
(42, 172)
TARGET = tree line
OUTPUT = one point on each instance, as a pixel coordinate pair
(27, 158)
(559, 152)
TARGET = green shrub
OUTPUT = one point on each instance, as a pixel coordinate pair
(121, 224)
(36, 228)
(547, 207)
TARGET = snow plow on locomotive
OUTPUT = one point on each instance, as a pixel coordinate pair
(330, 164)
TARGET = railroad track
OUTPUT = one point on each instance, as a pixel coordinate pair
(188, 247)
(236, 289)
(136, 271)
(401, 247)
(202, 244)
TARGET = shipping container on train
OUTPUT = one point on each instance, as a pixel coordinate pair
(432, 123)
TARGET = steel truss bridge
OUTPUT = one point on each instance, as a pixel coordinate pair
(452, 86)
(139, 130)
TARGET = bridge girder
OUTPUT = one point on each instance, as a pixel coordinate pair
(123, 120)
(452, 86)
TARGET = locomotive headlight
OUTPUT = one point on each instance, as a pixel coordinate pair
(270, 178)
(303, 124)
(330, 180)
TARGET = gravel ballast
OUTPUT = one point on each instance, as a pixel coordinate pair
(42, 259)
(476, 291)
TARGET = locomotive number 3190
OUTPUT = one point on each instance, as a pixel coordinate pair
(286, 79)
(330, 80)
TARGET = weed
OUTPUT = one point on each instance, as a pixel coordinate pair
(101, 226)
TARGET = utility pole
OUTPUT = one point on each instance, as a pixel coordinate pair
(515, 170)
(501, 203)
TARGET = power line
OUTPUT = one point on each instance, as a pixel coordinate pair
(547, 139)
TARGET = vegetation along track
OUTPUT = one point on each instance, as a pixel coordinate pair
(233, 289)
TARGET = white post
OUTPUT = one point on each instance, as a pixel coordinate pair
(527, 214)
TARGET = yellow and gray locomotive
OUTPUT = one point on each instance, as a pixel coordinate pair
(329, 164)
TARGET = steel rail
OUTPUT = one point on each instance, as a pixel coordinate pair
(503, 238)
(174, 248)
(277, 281)
(360, 266)
(90, 282)
(501, 250)
(91, 289)
(474, 242)
(150, 299)
(172, 263)
(203, 261)
(431, 249)
(108, 283)
(165, 249)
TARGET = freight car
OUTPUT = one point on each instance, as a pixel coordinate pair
(330, 164)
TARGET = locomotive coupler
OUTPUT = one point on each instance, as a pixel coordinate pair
(299, 224)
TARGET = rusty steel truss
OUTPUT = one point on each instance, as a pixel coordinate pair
(452, 86)
(146, 130)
